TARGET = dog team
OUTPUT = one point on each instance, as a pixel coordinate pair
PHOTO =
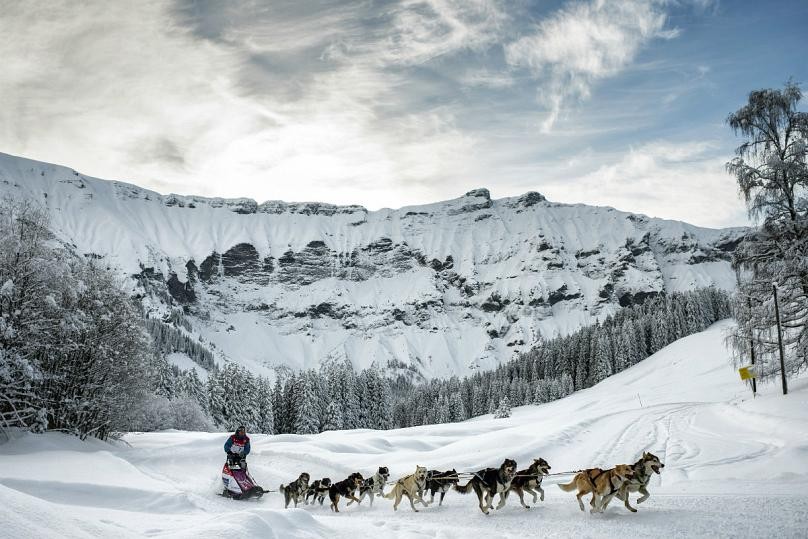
(603, 485)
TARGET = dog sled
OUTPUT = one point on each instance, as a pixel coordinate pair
(238, 483)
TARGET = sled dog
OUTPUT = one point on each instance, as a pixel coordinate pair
(489, 482)
(644, 469)
(440, 482)
(603, 484)
(296, 490)
(374, 486)
(345, 488)
(412, 486)
(526, 481)
(318, 490)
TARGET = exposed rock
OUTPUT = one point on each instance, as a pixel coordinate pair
(240, 260)
(182, 292)
(561, 295)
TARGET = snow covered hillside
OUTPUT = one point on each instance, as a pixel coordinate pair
(438, 290)
(734, 467)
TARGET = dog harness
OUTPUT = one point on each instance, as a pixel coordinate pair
(612, 488)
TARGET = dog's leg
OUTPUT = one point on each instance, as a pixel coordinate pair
(503, 496)
(521, 494)
(483, 505)
(411, 499)
(398, 500)
(335, 504)
(645, 495)
(442, 495)
(625, 497)
(490, 498)
(481, 498)
(606, 500)
(420, 497)
(541, 491)
(596, 504)
(580, 503)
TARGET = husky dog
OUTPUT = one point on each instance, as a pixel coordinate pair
(603, 484)
(440, 482)
(345, 488)
(644, 469)
(373, 486)
(411, 486)
(296, 490)
(526, 481)
(318, 490)
(489, 482)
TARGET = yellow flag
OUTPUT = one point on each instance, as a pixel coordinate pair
(746, 373)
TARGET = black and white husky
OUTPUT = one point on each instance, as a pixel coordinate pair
(489, 482)
(318, 490)
(374, 486)
(296, 490)
(440, 482)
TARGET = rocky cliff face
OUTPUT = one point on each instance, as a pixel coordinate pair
(433, 290)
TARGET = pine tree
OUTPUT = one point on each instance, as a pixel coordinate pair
(333, 417)
(504, 409)
(306, 421)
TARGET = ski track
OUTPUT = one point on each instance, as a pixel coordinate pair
(732, 464)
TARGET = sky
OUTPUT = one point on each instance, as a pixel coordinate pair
(391, 103)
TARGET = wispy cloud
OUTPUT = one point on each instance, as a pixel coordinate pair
(381, 103)
(584, 42)
(674, 180)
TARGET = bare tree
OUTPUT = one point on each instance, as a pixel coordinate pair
(770, 168)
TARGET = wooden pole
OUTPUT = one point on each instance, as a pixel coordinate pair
(780, 340)
(752, 350)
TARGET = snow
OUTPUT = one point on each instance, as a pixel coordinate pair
(734, 466)
(182, 361)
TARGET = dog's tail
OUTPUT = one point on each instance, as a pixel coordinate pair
(391, 495)
(465, 489)
(282, 489)
(569, 487)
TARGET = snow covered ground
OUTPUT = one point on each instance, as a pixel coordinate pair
(735, 467)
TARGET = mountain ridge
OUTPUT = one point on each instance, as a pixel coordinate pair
(436, 289)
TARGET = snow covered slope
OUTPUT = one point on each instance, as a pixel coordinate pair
(734, 467)
(439, 289)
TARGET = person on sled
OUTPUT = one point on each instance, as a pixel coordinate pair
(237, 446)
(238, 483)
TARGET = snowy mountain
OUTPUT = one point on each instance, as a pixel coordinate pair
(732, 463)
(435, 290)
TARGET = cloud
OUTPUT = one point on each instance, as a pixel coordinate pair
(584, 42)
(425, 29)
(234, 100)
(673, 180)
(379, 103)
